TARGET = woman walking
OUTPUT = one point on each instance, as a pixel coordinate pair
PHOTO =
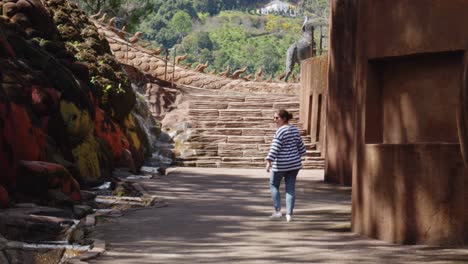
(284, 160)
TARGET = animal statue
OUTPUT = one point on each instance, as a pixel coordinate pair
(258, 75)
(236, 74)
(301, 49)
(135, 37)
(111, 22)
(226, 72)
(178, 59)
(201, 67)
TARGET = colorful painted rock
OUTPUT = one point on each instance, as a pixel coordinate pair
(37, 177)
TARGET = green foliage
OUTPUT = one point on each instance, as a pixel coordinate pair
(128, 12)
(242, 4)
(170, 21)
(203, 30)
(167, 9)
(212, 7)
(240, 40)
(181, 24)
(315, 8)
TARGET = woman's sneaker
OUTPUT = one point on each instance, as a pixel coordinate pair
(276, 215)
(288, 218)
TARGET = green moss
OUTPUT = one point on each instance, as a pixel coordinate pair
(61, 18)
(68, 32)
(119, 191)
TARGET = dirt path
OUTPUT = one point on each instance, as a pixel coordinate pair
(221, 216)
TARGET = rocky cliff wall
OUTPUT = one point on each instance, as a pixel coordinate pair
(66, 108)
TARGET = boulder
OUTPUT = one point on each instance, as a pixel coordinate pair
(38, 178)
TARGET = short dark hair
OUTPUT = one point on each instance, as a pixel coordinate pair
(284, 114)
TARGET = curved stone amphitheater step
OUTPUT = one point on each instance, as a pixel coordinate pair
(247, 162)
(242, 105)
(241, 131)
(239, 124)
(238, 150)
(214, 139)
(235, 131)
(252, 98)
(240, 115)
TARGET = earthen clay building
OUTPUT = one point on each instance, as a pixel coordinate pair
(395, 76)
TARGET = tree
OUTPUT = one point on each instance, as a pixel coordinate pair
(168, 8)
(318, 8)
(212, 7)
(169, 22)
(127, 12)
(180, 26)
(92, 6)
(181, 23)
(152, 26)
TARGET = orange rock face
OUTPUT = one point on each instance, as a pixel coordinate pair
(19, 140)
(111, 133)
(27, 141)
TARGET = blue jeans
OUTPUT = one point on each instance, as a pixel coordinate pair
(290, 180)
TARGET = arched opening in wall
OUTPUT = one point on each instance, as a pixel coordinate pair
(319, 117)
(309, 114)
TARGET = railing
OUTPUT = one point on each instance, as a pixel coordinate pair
(322, 39)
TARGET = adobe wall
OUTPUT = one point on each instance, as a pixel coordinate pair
(341, 92)
(414, 108)
(313, 96)
(409, 181)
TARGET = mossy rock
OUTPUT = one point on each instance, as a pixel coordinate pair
(56, 3)
(125, 189)
(60, 77)
(90, 32)
(68, 32)
(61, 17)
(53, 47)
(97, 45)
(85, 56)
(106, 71)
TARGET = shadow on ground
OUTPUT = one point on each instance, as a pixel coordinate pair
(220, 216)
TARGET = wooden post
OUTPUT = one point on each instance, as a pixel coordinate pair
(165, 64)
(173, 66)
(320, 41)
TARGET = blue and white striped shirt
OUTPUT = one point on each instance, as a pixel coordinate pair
(286, 149)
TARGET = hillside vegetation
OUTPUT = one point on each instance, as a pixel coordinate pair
(221, 32)
(241, 40)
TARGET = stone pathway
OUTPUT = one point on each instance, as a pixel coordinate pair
(220, 216)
